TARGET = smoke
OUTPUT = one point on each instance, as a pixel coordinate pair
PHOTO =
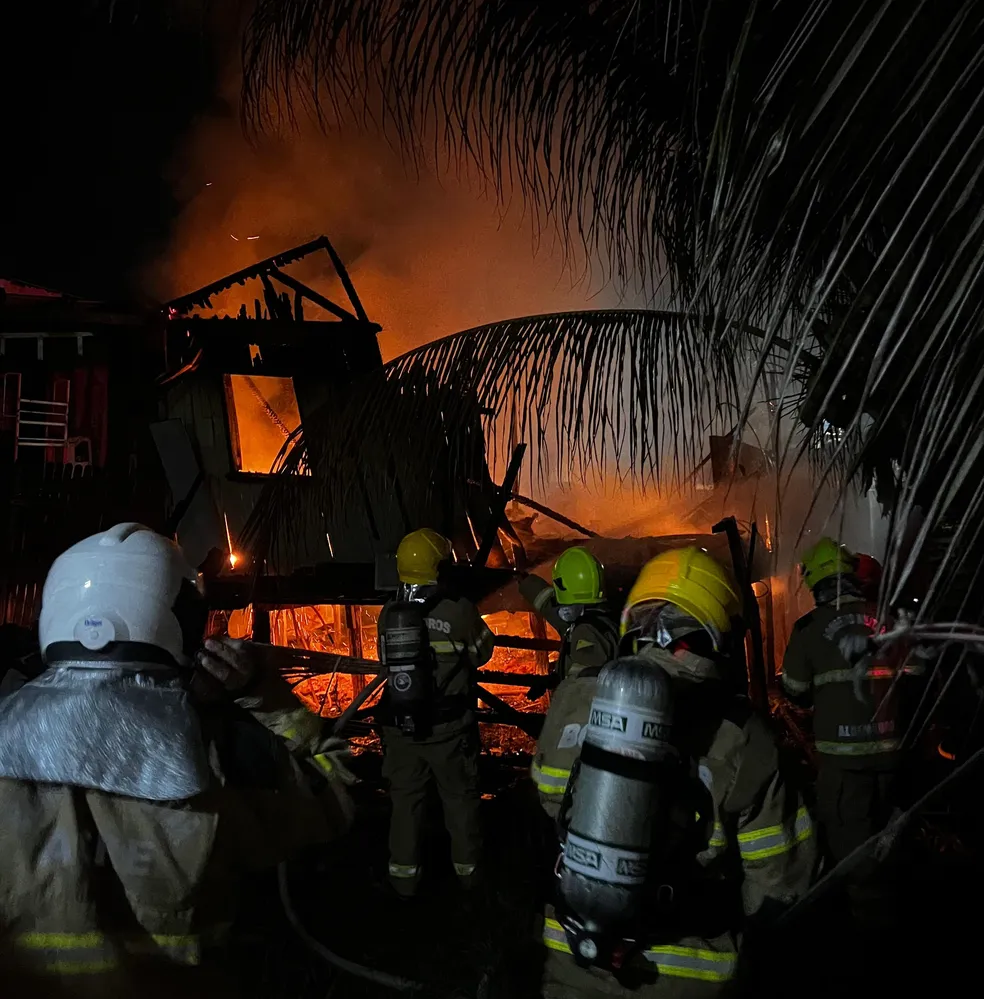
(429, 256)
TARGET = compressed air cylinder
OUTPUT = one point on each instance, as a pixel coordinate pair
(617, 795)
(404, 650)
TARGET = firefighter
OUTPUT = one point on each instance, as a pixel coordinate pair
(575, 607)
(135, 792)
(443, 746)
(708, 837)
(856, 718)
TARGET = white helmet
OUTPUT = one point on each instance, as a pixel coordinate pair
(123, 585)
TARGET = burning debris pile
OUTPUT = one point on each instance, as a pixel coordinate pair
(350, 631)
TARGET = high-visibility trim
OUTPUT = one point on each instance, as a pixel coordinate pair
(718, 838)
(324, 763)
(758, 844)
(543, 597)
(847, 675)
(59, 941)
(97, 967)
(550, 780)
(403, 870)
(93, 953)
(670, 959)
(857, 748)
(583, 643)
(444, 648)
(465, 870)
(794, 686)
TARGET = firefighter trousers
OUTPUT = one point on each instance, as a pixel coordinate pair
(450, 760)
(853, 805)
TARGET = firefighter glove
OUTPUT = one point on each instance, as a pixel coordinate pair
(332, 759)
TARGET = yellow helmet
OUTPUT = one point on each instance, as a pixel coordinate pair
(578, 577)
(689, 579)
(419, 555)
(825, 559)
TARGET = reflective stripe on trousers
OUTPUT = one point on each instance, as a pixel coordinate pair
(670, 959)
(847, 675)
(550, 780)
(403, 870)
(858, 748)
(757, 844)
(93, 953)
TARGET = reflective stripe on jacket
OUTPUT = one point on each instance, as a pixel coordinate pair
(674, 960)
(92, 953)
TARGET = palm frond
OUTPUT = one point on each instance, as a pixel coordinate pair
(618, 391)
(811, 170)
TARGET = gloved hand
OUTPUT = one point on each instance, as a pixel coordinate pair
(332, 758)
(225, 664)
(541, 684)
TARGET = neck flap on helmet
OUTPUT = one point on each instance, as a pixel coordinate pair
(120, 728)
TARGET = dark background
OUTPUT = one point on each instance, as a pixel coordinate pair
(94, 107)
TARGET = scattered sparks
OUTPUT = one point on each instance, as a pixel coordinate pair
(233, 557)
(236, 238)
(252, 237)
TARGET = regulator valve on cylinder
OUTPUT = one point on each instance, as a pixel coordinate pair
(614, 802)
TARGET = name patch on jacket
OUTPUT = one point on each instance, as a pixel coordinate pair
(872, 728)
(436, 624)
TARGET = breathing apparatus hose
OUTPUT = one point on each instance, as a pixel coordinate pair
(343, 964)
(357, 702)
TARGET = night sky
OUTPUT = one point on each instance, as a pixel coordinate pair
(93, 110)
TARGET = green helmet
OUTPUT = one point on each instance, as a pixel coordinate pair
(578, 578)
(825, 559)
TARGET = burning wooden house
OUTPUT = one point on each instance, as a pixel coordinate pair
(237, 390)
(203, 419)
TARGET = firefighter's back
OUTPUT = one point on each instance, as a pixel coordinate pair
(102, 894)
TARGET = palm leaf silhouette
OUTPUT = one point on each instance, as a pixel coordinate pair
(809, 170)
(546, 380)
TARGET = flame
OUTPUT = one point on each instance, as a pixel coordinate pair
(326, 628)
(233, 559)
(945, 753)
(264, 411)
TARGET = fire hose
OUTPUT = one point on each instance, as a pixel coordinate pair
(336, 960)
(316, 946)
